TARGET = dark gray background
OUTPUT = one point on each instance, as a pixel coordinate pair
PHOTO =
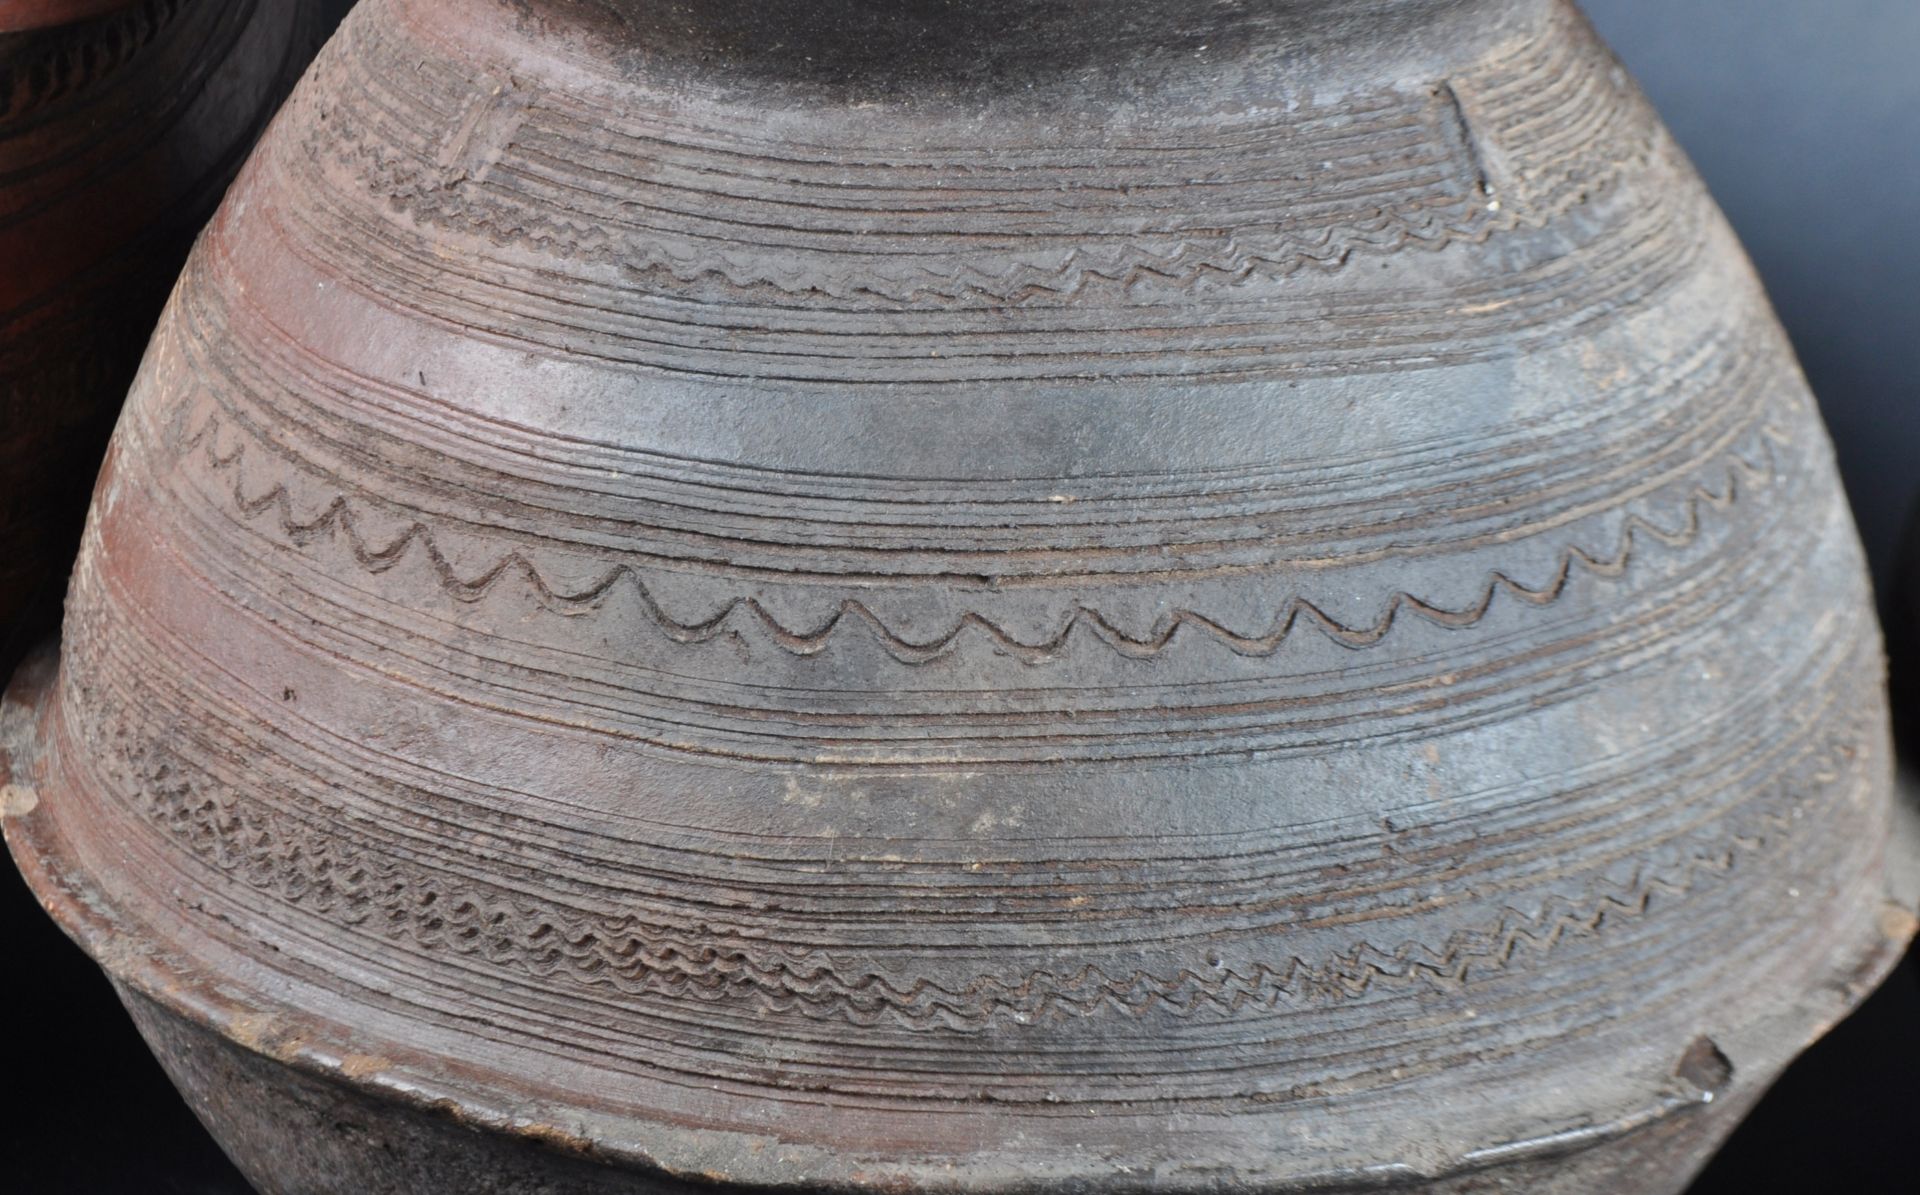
(1804, 116)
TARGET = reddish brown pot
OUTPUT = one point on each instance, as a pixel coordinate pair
(120, 126)
(18, 16)
(1008, 596)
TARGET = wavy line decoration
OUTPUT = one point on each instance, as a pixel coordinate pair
(1457, 127)
(328, 875)
(337, 520)
(1180, 262)
(1245, 255)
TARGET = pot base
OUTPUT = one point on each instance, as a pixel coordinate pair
(292, 1133)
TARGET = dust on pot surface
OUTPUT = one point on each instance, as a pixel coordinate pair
(996, 597)
(121, 124)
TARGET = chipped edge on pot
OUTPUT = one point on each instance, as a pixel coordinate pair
(695, 1156)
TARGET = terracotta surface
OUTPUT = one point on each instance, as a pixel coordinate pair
(120, 126)
(993, 597)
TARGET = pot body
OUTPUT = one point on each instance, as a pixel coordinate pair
(121, 124)
(1037, 597)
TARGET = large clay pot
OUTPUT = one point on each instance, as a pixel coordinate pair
(1006, 596)
(121, 123)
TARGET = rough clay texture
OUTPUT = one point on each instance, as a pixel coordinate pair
(299, 1135)
(1005, 596)
(121, 123)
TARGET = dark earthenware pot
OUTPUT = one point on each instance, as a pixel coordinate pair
(1018, 596)
(121, 124)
